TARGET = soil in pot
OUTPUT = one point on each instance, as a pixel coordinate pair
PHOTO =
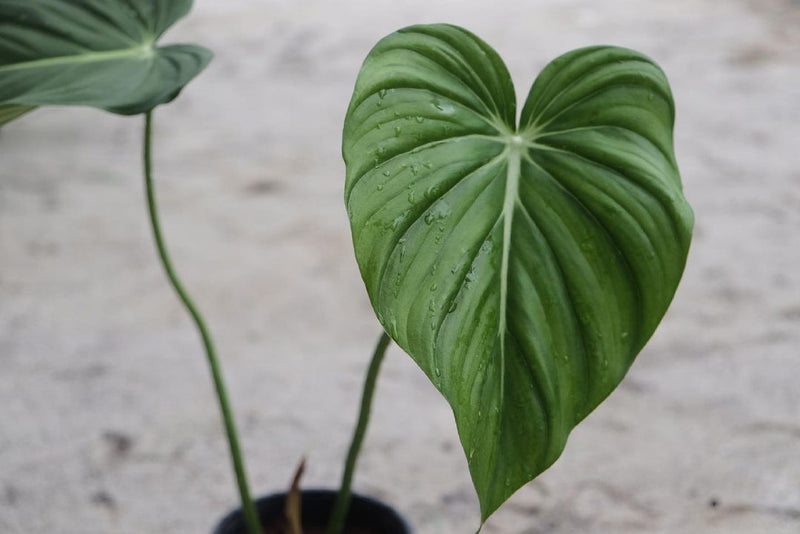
(366, 516)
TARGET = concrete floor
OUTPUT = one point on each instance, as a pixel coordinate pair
(108, 424)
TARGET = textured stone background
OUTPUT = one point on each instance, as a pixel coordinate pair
(107, 422)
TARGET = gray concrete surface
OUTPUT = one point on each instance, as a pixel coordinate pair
(107, 421)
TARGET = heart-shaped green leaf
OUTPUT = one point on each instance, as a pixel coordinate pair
(92, 53)
(523, 268)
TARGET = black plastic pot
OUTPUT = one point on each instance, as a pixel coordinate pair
(366, 516)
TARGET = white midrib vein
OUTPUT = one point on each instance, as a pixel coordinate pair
(144, 51)
(514, 149)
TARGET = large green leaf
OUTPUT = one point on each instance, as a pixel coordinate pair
(523, 268)
(99, 53)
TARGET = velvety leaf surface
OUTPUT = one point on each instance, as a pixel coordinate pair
(93, 53)
(523, 268)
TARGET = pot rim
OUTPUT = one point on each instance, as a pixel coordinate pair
(233, 517)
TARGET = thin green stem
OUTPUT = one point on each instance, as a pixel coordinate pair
(342, 504)
(250, 515)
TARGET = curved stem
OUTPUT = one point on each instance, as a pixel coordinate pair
(250, 515)
(342, 504)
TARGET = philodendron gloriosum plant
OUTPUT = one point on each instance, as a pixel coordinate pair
(522, 265)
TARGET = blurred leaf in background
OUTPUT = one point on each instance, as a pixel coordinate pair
(99, 54)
